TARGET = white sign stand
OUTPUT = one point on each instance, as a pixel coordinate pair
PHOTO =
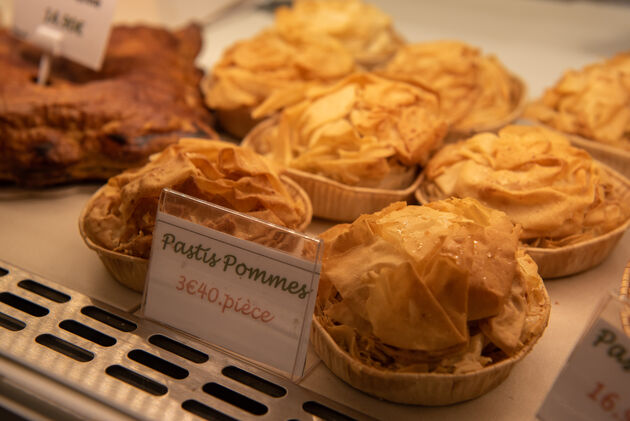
(50, 40)
(254, 299)
(594, 383)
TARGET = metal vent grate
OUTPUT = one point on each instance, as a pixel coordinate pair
(135, 367)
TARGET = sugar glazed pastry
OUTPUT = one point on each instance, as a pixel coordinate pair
(121, 215)
(420, 303)
(92, 125)
(593, 102)
(364, 30)
(258, 76)
(476, 91)
(556, 192)
(364, 131)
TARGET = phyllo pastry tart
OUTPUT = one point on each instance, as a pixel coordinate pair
(364, 30)
(477, 92)
(355, 146)
(258, 76)
(428, 305)
(118, 220)
(573, 209)
(593, 104)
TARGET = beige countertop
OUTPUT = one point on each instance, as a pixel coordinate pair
(536, 39)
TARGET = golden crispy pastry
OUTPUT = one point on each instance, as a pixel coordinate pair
(363, 131)
(361, 28)
(122, 215)
(92, 125)
(593, 102)
(476, 91)
(258, 76)
(556, 192)
(442, 288)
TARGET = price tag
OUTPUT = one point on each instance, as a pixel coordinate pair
(594, 383)
(83, 26)
(250, 299)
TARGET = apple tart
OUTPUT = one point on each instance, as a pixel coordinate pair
(476, 91)
(118, 220)
(355, 146)
(572, 208)
(427, 305)
(593, 104)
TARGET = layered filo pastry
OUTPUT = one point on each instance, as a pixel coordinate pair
(363, 29)
(119, 219)
(477, 92)
(355, 146)
(427, 304)
(593, 102)
(592, 105)
(257, 76)
(561, 197)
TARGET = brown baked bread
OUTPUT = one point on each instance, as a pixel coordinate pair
(91, 125)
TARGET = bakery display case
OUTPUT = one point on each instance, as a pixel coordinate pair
(44, 257)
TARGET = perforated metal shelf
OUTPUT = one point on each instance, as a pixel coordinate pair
(103, 362)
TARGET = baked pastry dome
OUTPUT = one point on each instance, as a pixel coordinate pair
(593, 102)
(121, 216)
(364, 30)
(363, 131)
(92, 125)
(258, 76)
(440, 288)
(476, 91)
(556, 192)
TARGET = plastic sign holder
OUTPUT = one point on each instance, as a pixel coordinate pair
(593, 385)
(75, 29)
(252, 297)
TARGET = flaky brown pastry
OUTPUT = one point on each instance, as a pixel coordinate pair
(593, 102)
(122, 215)
(475, 90)
(556, 192)
(363, 131)
(258, 76)
(443, 287)
(364, 30)
(91, 125)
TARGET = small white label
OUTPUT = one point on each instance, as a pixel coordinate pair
(83, 26)
(594, 384)
(247, 298)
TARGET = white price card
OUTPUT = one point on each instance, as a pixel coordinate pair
(81, 27)
(595, 382)
(251, 299)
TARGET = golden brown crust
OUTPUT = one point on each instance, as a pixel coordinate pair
(593, 102)
(92, 125)
(476, 90)
(122, 215)
(556, 192)
(363, 131)
(364, 30)
(442, 288)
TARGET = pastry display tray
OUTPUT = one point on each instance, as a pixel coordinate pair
(64, 355)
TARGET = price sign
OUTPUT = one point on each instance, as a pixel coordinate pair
(251, 299)
(594, 384)
(81, 26)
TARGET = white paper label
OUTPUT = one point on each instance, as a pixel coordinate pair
(595, 382)
(83, 26)
(247, 298)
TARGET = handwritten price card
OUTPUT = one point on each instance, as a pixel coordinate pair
(82, 26)
(595, 382)
(254, 300)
